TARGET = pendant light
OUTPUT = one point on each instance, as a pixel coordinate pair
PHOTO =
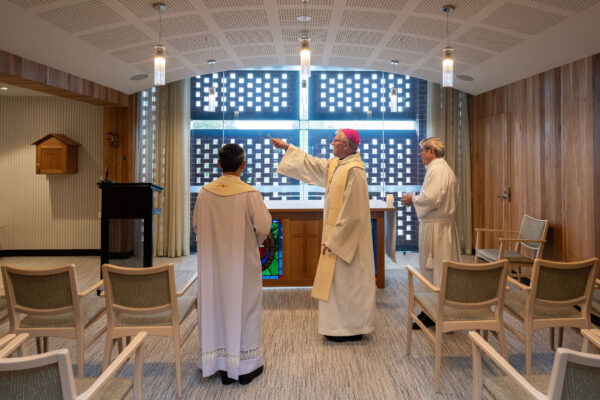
(304, 44)
(159, 50)
(304, 99)
(212, 92)
(448, 63)
(394, 91)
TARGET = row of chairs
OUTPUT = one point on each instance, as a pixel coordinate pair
(47, 303)
(475, 296)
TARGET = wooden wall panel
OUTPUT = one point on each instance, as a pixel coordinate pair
(596, 111)
(551, 158)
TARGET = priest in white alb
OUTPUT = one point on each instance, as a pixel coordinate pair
(345, 278)
(436, 208)
(230, 221)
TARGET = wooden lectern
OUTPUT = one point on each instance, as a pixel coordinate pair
(127, 201)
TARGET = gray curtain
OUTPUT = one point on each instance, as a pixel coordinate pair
(447, 119)
(163, 145)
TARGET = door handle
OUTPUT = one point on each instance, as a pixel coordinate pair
(505, 195)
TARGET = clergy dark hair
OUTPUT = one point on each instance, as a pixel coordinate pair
(231, 157)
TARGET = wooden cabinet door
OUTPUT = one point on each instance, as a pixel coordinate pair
(301, 246)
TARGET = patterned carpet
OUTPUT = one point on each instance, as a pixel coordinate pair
(299, 363)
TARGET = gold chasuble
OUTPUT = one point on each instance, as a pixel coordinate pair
(326, 266)
(228, 185)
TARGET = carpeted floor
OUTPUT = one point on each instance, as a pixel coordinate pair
(299, 363)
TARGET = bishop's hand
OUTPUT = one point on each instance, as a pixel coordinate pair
(279, 144)
(407, 200)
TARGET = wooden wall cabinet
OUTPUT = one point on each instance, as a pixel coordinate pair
(56, 154)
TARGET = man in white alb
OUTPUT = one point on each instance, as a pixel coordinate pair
(230, 221)
(436, 208)
(345, 277)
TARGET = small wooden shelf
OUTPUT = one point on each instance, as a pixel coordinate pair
(56, 154)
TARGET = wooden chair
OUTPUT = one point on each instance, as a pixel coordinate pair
(49, 376)
(53, 306)
(145, 299)
(575, 375)
(556, 288)
(465, 300)
(3, 308)
(532, 236)
(590, 337)
(11, 343)
(595, 307)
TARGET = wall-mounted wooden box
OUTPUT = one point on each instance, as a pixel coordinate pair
(56, 154)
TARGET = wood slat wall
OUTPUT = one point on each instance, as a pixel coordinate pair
(551, 166)
(49, 211)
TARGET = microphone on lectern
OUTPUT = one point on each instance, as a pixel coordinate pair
(110, 166)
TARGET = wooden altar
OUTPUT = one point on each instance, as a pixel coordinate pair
(302, 224)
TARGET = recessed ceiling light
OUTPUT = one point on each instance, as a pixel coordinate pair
(3, 88)
(465, 78)
(139, 77)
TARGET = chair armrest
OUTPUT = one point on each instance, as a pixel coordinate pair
(592, 337)
(14, 342)
(187, 285)
(598, 283)
(91, 289)
(414, 272)
(482, 346)
(518, 284)
(134, 347)
(494, 230)
(521, 240)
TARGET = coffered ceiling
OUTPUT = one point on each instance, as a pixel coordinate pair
(109, 41)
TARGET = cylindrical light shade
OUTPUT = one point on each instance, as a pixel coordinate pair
(448, 68)
(304, 58)
(394, 100)
(159, 64)
(212, 99)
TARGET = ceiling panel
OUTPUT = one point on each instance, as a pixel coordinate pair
(31, 3)
(347, 62)
(179, 25)
(489, 40)
(293, 35)
(315, 49)
(196, 42)
(143, 8)
(319, 17)
(571, 5)
(117, 37)
(255, 50)
(366, 38)
(351, 51)
(240, 19)
(381, 4)
(81, 16)
(249, 36)
(523, 19)
(367, 20)
(233, 3)
(202, 57)
(412, 43)
(427, 27)
(465, 9)
(401, 56)
(136, 54)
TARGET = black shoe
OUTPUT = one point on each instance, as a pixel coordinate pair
(340, 339)
(428, 322)
(247, 378)
(225, 380)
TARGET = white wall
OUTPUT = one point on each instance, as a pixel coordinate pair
(48, 211)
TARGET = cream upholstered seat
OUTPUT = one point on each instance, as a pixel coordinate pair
(53, 306)
(575, 375)
(145, 299)
(470, 297)
(49, 376)
(556, 288)
(532, 236)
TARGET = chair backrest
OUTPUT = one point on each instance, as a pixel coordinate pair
(534, 229)
(40, 291)
(473, 285)
(575, 375)
(47, 376)
(139, 288)
(563, 284)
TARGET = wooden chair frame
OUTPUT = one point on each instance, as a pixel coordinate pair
(557, 377)
(172, 331)
(496, 325)
(63, 359)
(41, 334)
(532, 324)
(591, 340)
(519, 243)
(11, 343)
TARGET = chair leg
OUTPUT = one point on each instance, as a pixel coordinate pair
(561, 332)
(45, 344)
(551, 337)
(528, 348)
(80, 353)
(408, 334)
(438, 357)
(485, 335)
(108, 346)
(38, 345)
(177, 348)
(120, 344)
(502, 341)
